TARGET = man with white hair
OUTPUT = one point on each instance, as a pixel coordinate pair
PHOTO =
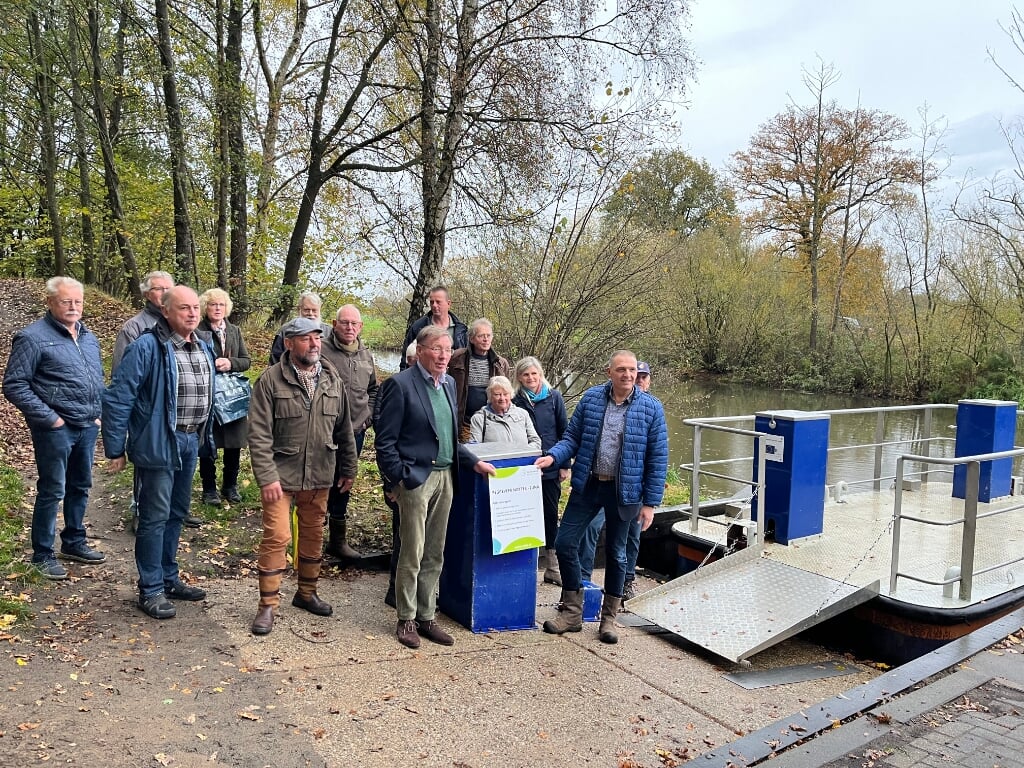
(55, 378)
(153, 286)
(308, 305)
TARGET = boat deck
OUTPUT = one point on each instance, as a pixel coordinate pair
(856, 545)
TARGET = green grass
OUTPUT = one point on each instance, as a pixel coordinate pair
(12, 531)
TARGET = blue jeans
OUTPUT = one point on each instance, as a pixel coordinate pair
(588, 547)
(581, 510)
(64, 462)
(164, 497)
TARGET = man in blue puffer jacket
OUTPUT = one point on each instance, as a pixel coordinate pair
(54, 376)
(157, 409)
(619, 438)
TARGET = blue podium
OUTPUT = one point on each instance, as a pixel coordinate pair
(795, 463)
(482, 591)
(985, 426)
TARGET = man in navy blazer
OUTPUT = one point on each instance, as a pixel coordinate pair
(418, 453)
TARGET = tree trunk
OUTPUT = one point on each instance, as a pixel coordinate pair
(184, 247)
(48, 141)
(433, 215)
(220, 169)
(275, 79)
(439, 166)
(297, 243)
(239, 197)
(111, 178)
(90, 273)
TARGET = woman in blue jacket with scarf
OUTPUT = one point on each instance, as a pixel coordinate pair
(546, 407)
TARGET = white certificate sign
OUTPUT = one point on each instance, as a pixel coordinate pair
(517, 509)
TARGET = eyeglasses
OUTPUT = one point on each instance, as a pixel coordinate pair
(158, 289)
(483, 336)
(440, 350)
(216, 304)
(68, 303)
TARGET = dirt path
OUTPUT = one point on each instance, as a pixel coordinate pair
(93, 681)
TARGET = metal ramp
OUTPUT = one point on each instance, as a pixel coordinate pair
(745, 603)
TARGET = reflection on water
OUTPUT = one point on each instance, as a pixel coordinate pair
(387, 362)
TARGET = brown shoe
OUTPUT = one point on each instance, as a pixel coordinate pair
(264, 621)
(407, 634)
(433, 632)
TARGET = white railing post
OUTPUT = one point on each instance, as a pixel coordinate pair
(695, 481)
(970, 530)
(897, 516)
(879, 437)
(926, 436)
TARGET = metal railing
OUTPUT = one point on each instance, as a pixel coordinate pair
(725, 424)
(879, 443)
(969, 521)
(756, 486)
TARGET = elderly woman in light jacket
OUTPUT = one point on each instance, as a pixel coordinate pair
(502, 422)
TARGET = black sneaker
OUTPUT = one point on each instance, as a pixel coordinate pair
(192, 521)
(157, 606)
(629, 590)
(50, 569)
(231, 494)
(212, 498)
(82, 553)
(182, 591)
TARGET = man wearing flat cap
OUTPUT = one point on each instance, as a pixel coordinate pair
(300, 428)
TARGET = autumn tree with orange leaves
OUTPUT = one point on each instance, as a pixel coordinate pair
(821, 174)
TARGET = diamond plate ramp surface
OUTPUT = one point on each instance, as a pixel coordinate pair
(744, 603)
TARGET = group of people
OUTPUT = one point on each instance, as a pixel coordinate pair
(616, 443)
(307, 419)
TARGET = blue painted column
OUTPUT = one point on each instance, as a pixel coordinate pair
(985, 426)
(482, 591)
(796, 460)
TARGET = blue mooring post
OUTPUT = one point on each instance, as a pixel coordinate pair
(796, 460)
(482, 591)
(985, 426)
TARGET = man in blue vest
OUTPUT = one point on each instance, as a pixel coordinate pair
(619, 439)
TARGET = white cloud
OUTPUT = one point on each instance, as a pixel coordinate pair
(893, 55)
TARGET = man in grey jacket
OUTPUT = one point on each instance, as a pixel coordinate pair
(345, 351)
(300, 430)
(153, 287)
(55, 378)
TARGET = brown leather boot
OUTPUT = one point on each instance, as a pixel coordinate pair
(609, 609)
(571, 617)
(264, 621)
(270, 598)
(551, 574)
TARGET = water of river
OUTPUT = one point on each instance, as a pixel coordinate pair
(698, 399)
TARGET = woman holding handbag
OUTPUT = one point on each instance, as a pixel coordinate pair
(232, 356)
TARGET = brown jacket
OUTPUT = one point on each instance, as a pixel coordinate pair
(360, 376)
(295, 441)
(458, 369)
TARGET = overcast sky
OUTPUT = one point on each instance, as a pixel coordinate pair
(893, 55)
